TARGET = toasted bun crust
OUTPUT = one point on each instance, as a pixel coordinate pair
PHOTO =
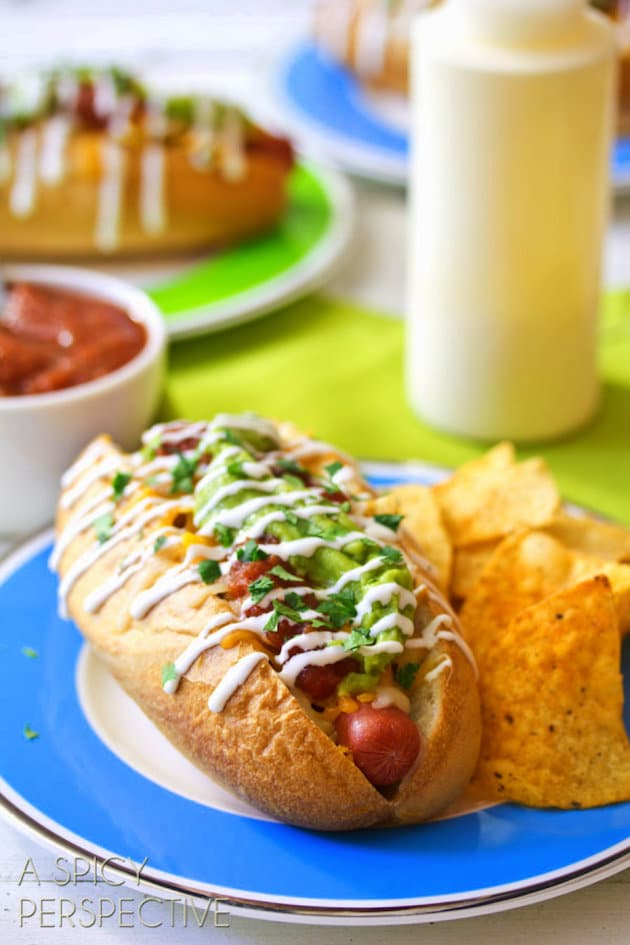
(202, 208)
(263, 745)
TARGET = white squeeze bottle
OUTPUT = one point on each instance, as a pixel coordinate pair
(512, 116)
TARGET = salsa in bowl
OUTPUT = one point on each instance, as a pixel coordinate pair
(80, 352)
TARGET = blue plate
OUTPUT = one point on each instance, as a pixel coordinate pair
(332, 113)
(68, 787)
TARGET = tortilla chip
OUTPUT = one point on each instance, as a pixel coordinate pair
(523, 570)
(491, 497)
(619, 577)
(468, 564)
(552, 697)
(423, 523)
(589, 536)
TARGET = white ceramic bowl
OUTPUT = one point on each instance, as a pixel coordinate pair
(41, 434)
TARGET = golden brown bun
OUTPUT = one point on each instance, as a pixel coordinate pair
(263, 745)
(341, 37)
(202, 208)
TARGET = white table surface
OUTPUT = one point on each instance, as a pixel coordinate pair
(375, 276)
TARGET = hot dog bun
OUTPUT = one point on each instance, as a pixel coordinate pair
(369, 37)
(150, 175)
(266, 742)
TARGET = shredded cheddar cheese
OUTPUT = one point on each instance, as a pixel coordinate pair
(243, 636)
(348, 704)
(191, 538)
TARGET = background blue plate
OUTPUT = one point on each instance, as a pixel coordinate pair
(331, 113)
(68, 784)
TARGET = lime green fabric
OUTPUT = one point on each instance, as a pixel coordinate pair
(336, 370)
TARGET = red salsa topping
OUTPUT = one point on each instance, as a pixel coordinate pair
(51, 339)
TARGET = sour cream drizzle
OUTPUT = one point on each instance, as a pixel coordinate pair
(371, 39)
(233, 163)
(152, 166)
(198, 646)
(99, 471)
(204, 132)
(52, 155)
(235, 517)
(22, 197)
(110, 196)
(374, 25)
(98, 597)
(85, 461)
(81, 524)
(233, 679)
(320, 647)
(172, 581)
(167, 433)
(128, 525)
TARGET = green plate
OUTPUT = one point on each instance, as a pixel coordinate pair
(248, 280)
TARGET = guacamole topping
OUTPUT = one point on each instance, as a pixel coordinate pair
(354, 587)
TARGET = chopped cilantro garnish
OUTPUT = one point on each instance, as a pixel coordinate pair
(119, 484)
(236, 469)
(333, 468)
(389, 521)
(339, 608)
(291, 518)
(406, 674)
(272, 624)
(345, 506)
(392, 555)
(357, 638)
(292, 480)
(30, 733)
(183, 474)
(30, 652)
(283, 574)
(159, 543)
(289, 465)
(295, 601)
(286, 608)
(260, 587)
(251, 552)
(169, 673)
(209, 570)
(103, 526)
(224, 535)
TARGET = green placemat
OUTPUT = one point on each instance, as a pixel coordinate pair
(335, 369)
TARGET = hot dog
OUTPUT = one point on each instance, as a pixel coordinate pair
(93, 162)
(372, 39)
(289, 642)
